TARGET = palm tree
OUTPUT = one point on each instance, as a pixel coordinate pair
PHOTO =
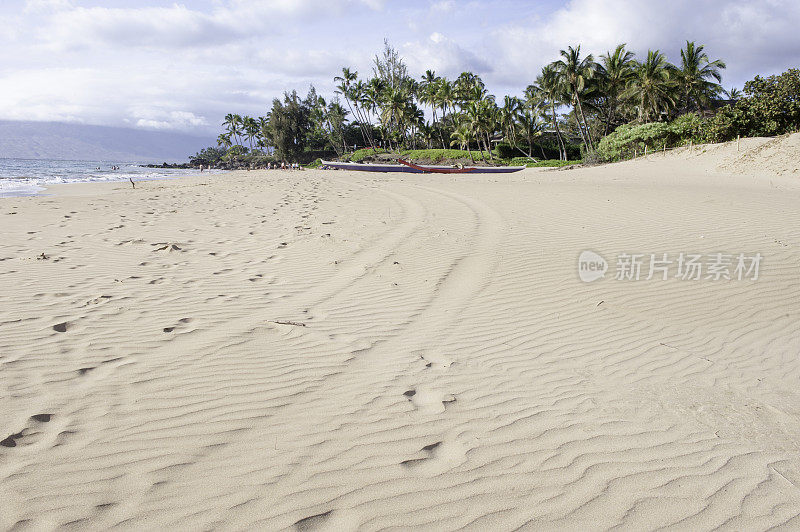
(263, 132)
(224, 141)
(428, 89)
(529, 125)
(395, 110)
(337, 115)
(347, 81)
(694, 77)
(461, 137)
(427, 132)
(508, 118)
(614, 73)
(329, 120)
(548, 84)
(574, 73)
(653, 87)
(250, 129)
(481, 118)
(733, 94)
(469, 87)
(472, 117)
(372, 98)
(232, 122)
(446, 96)
(490, 112)
(416, 117)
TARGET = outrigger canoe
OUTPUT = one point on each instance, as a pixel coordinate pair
(406, 166)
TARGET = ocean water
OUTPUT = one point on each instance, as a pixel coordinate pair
(27, 177)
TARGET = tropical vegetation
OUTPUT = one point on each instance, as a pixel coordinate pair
(604, 107)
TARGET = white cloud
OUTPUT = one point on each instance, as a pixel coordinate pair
(64, 26)
(309, 63)
(749, 36)
(270, 8)
(182, 65)
(174, 26)
(43, 6)
(443, 6)
(179, 120)
(443, 55)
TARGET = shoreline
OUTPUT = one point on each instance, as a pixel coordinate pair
(45, 187)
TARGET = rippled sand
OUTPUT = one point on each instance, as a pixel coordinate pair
(343, 350)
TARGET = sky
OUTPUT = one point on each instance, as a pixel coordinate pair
(181, 66)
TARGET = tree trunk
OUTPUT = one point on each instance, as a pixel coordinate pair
(433, 108)
(580, 125)
(330, 132)
(585, 124)
(561, 147)
(360, 125)
(368, 127)
(365, 126)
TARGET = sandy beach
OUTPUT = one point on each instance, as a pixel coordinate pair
(344, 350)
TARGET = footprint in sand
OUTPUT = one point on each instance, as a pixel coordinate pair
(11, 440)
(436, 458)
(166, 246)
(128, 242)
(429, 401)
(312, 522)
(97, 300)
(181, 322)
(436, 361)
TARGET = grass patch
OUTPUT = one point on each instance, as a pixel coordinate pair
(434, 156)
(359, 155)
(439, 155)
(524, 161)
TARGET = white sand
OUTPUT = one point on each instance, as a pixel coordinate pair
(444, 366)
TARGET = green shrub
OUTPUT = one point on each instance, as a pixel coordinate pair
(553, 163)
(688, 127)
(234, 153)
(359, 155)
(506, 151)
(770, 107)
(207, 157)
(524, 161)
(439, 155)
(630, 139)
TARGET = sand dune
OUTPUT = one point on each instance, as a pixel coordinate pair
(332, 350)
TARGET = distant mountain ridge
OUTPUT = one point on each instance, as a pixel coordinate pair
(62, 141)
